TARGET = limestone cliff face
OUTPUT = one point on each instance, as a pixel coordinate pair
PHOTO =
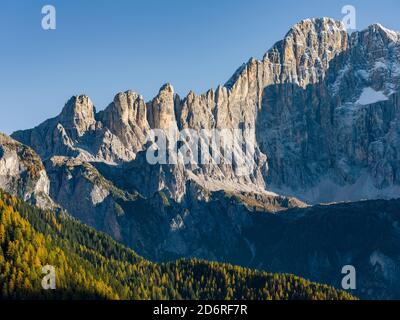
(77, 133)
(336, 140)
(126, 119)
(161, 110)
(320, 111)
(320, 103)
(22, 173)
(77, 117)
(86, 194)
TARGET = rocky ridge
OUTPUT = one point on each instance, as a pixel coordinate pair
(309, 107)
(22, 173)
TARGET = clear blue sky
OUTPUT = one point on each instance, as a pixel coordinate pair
(102, 47)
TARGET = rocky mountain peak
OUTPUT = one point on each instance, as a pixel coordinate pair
(307, 49)
(317, 26)
(78, 115)
(384, 32)
(126, 119)
(161, 111)
(22, 173)
(128, 107)
(302, 57)
(375, 37)
(166, 87)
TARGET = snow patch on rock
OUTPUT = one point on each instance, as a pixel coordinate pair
(370, 96)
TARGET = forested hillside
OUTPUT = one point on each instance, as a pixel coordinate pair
(90, 265)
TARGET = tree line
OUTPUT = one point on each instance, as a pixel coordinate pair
(91, 265)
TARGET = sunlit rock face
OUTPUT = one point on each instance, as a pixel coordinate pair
(337, 139)
(22, 173)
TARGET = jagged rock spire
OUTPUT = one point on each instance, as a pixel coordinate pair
(161, 113)
(78, 115)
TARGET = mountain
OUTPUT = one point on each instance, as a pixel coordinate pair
(343, 129)
(90, 265)
(22, 172)
(321, 110)
(321, 114)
